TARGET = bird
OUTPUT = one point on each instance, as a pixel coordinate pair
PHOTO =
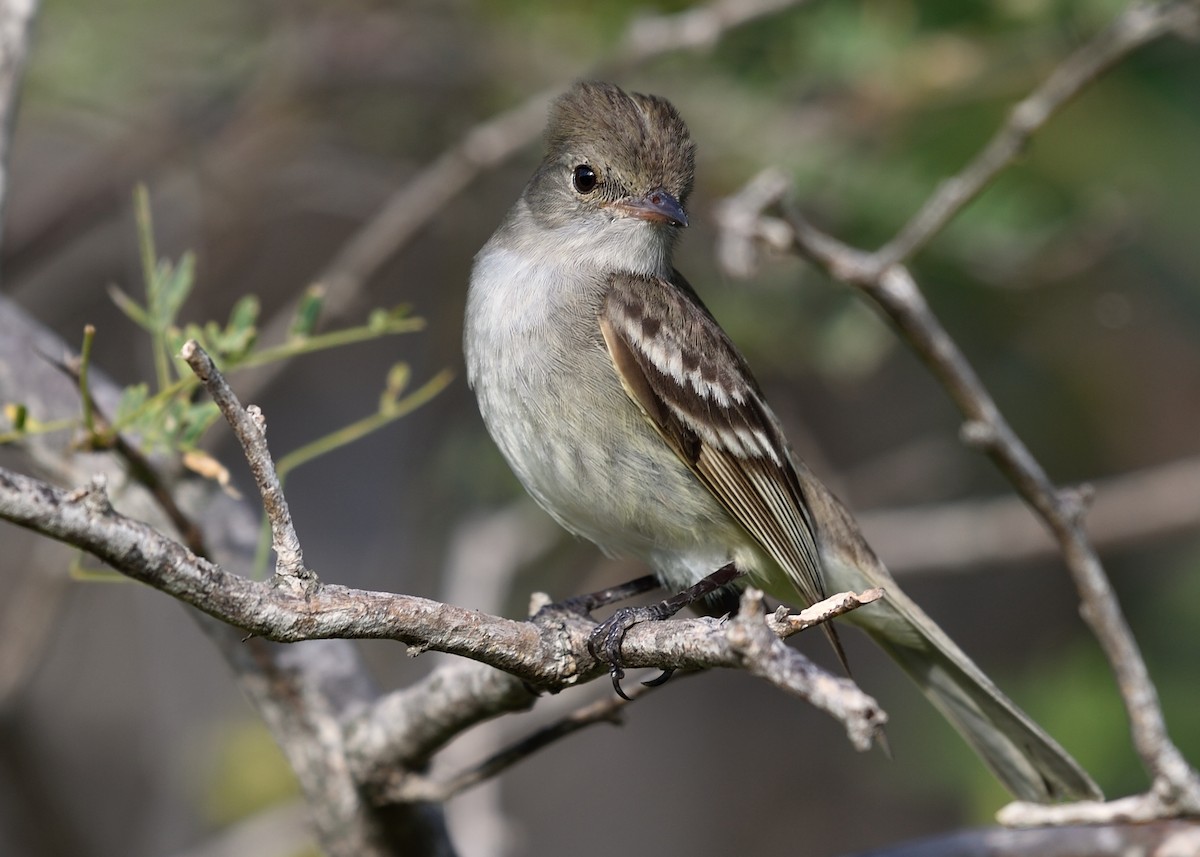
(630, 416)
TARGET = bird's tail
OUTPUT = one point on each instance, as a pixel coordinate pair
(1020, 753)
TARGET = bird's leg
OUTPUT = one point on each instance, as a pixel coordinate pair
(605, 642)
(583, 605)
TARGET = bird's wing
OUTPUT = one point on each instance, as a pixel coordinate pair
(694, 387)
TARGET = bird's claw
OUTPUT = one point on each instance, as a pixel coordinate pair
(605, 643)
(661, 679)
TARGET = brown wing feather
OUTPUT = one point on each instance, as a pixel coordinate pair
(694, 387)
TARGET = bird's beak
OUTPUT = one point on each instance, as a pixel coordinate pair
(658, 206)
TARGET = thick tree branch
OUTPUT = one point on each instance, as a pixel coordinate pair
(551, 655)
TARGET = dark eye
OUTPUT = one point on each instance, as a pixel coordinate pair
(584, 179)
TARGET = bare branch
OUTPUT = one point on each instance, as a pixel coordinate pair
(1162, 838)
(553, 656)
(765, 658)
(605, 710)
(405, 728)
(784, 624)
(892, 288)
(897, 294)
(1138, 25)
(250, 426)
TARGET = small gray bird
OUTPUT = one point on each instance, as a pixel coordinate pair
(630, 416)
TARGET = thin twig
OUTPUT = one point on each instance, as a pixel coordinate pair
(1161, 838)
(1136, 26)
(607, 710)
(103, 435)
(785, 623)
(250, 427)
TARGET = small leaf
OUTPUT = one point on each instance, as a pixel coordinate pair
(132, 400)
(378, 320)
(239, 336)
(17, 414)
(193, 421)
(244, 314)
(308, 312)
(130, 307)
(397, 380)
(176, 285)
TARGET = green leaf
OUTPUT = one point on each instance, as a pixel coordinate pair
(130, 307)
(195, 421)
(397, 380)
(377, 321)
(308, 312)
(132, 400)
(175, 286)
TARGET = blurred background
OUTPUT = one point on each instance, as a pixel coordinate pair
(270, 134)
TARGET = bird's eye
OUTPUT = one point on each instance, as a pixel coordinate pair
(584, 179)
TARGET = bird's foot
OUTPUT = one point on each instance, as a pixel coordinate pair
(605, 641)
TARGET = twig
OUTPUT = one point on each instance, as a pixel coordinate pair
(785, 624)
(103, 435)
(249, 425)
(1138, 25)
(1119, 839)
(605, 710)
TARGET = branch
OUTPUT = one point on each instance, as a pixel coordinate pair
(552, 656)
(760, 647)
(304, 694)
(606, 710)
(250, 426)
(1098, 840)
(1138, 25)
(897, 294)
(1176, 786)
